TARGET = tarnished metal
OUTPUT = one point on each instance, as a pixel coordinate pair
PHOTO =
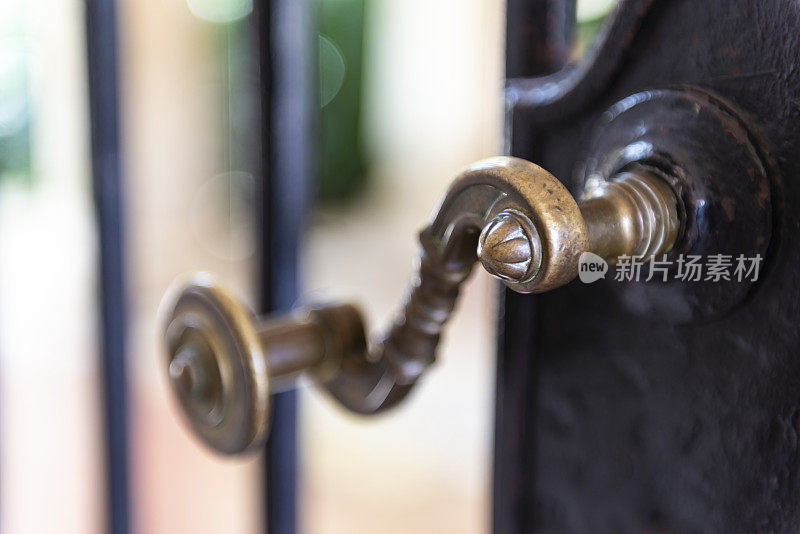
(516, 218)
(210, 335)
(510, 247)
(634, 214)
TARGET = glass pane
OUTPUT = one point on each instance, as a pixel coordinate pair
(51, 456)
(186, 74)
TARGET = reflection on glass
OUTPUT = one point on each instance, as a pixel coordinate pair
(222, 218)
(332, 69)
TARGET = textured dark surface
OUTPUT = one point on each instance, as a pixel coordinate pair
(613, 422)
(556, 93)
(546, 28)
(702, 145)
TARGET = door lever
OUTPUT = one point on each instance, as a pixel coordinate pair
(512, 216)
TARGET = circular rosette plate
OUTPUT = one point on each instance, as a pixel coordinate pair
(216, 366)
(704, 148)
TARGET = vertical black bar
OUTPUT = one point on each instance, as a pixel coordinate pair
(538, 42)
(285, 38)
(101, 42)
(513, 437)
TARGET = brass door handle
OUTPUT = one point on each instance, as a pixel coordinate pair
(514, 217)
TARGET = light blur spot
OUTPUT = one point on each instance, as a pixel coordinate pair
(220, 11)
(331, 70)
(593, 9)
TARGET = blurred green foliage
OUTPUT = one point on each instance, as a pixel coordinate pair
(342, 167)
(15, 110)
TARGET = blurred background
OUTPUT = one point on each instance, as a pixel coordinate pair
(389, 141)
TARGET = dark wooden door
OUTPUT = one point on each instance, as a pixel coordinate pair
(617, 412)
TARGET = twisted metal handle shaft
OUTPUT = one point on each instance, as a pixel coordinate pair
(514, 217)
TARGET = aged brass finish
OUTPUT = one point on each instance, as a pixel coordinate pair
(515, 218)
(510, 248)
(634, 214)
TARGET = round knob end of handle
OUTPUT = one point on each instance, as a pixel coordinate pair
(217, 367)
(510, 248)
(535, 233)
